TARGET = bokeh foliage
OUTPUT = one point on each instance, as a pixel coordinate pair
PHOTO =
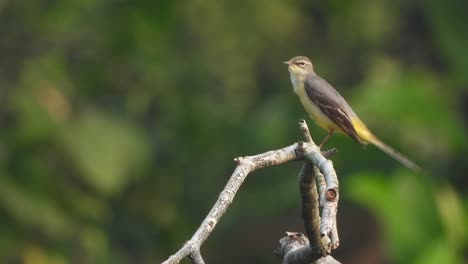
(119, 121)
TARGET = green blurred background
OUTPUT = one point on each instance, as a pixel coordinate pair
(120, 119)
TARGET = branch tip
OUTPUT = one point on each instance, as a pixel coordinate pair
(330, 152)
(336, 245)
(240, 160)
(305, 131)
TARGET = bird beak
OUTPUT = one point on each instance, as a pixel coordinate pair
(287, 62)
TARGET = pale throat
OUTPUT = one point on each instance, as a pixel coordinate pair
(297, 82)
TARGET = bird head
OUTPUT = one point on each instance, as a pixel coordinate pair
(300, 66)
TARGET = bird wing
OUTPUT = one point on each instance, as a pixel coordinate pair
(332, 104)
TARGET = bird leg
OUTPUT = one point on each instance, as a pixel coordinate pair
(330, 133)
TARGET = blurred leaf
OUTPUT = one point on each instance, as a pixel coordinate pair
(61, 18)
(448, 20)
(86, 206)
(33, 254)
(451, 212)
(108, 151)
(439, 251)
(411, 107)
(404, 204)
(40, 102)
(35, 212)
(95, 243)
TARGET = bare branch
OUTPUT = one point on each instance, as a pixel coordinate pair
(305, 130)
(309, 197)
(309, 206)
(248, 164)
(245, 165)
(328, 153)
(321, 185)
(196, 257)
(330, 198)
(294, 249)
(335, 241)
(309, 177)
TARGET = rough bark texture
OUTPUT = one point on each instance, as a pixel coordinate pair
(327, 196)
(294, 248)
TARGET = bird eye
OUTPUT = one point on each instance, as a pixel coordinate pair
(301, 63)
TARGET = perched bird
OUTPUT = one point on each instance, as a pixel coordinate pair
(331, 111)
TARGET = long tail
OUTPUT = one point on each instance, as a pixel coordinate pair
(395, 154)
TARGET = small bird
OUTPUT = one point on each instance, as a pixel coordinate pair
(331, 111)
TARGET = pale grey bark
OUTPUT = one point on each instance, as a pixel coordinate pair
(245, 165)
(294, 248)
(196, 257)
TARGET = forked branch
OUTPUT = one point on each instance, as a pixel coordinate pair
(245, 165)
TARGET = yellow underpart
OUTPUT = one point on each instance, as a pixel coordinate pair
(314, 111)
(362, 131)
